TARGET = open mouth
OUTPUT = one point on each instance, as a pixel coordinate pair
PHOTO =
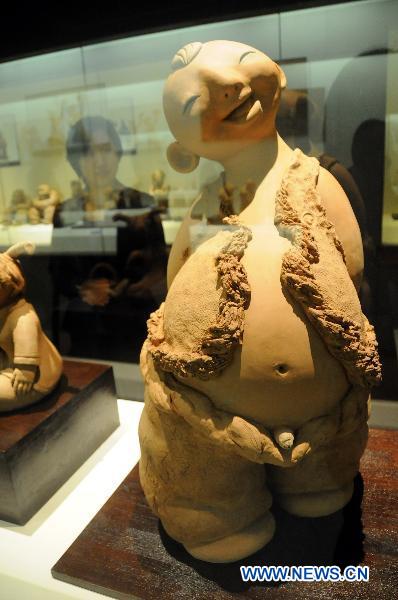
(241, 112)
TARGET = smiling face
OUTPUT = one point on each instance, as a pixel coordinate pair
(224, 99)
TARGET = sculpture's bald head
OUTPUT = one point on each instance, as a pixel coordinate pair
(221, 96)
(185, 55)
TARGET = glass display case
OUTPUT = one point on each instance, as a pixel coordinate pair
(84, 173)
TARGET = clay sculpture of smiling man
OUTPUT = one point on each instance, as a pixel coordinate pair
(259, 363)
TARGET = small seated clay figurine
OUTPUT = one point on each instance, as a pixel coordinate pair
(259, 363)
(44, 205)
(17, 212)
(158, 189)
(30, 365)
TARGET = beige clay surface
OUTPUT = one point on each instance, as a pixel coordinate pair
(261, 353)
(30, 365)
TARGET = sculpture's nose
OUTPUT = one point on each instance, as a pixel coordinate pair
(226, 86)
(232, 90)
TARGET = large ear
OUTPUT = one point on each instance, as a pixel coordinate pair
(180, 159)
(282, 77)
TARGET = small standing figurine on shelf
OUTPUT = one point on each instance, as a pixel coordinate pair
(247, 193)
(227, 200)
(259, 363)
(30, 365)
(159, 190)
(44, 205)
(18, 210)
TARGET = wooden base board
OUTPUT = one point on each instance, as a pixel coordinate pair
(42, 445)
(124, 553)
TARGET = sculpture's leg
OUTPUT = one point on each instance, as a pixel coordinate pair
(322, 482)
(34, 215)
(8, 399)
(48, 215)
(208, 498)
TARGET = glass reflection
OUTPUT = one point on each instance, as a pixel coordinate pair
(94, 150)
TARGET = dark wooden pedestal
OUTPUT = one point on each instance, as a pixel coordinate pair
(124, 553)
(42, 445)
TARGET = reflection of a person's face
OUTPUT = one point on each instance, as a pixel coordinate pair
(99, 165)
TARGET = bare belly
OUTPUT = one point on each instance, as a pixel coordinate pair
(283, 373)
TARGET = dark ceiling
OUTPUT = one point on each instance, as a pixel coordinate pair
(36, 27)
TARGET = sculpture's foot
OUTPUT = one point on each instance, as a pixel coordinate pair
(238, 545)
(316, 504)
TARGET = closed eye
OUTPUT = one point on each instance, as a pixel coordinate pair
(246, 54)
(189, 103)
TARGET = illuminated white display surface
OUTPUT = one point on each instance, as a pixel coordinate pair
(27, 553)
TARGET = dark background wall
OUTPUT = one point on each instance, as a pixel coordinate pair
(35, 27)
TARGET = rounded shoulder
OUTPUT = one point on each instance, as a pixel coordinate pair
(340, 213)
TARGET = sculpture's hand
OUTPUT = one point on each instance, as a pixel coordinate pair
(352, 411)
(23, 380)
(313, 434)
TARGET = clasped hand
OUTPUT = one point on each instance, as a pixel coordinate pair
(23, 379)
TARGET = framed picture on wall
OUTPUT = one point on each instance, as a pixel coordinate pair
(9, 151)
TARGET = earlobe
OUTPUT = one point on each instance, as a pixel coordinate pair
(180, 159)
(282, 78)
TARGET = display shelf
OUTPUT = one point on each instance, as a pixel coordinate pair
(28, 552)
(83, 240)
(42, 444)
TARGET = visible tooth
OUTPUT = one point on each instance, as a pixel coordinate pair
(239, 110)
(253, 109)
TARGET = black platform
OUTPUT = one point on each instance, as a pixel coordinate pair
(41, 446)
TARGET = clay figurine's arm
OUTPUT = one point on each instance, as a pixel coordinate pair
(180, 250)
(181, 247)
(340, 213)
(26, 339)
(26, 352)
(206, 205)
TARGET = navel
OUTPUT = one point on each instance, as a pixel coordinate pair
(281, 369)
